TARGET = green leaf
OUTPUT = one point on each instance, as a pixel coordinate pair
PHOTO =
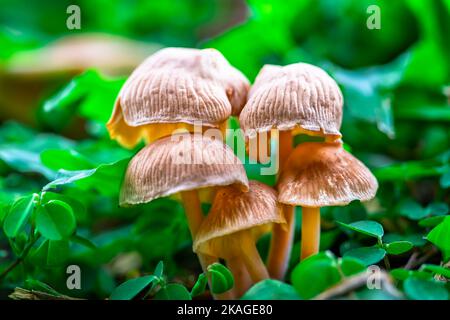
(415, 238)
(105, 178)
(403, 274)
(159, 270)
(440, 236)
(364, 92)
(431, 221)
(173, 291)
(436, 269)
(350, 266)
(131, 288)
(18, 215)
(408, 170)
(55, 220)
(83, 241)
(78, 208)
(58, 252)
(51, 253)
(221, 278)
(367, 227)
(200, 285)
(368, 255)
(314, 275)
(89, 94)
(411, 209)
(398, 247)
(34, 284)
(419, 289)
(23, 160)
(271, 290)
(67, 159)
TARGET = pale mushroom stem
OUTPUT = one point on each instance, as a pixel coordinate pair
(194, 215)
(282, 238)
(310, 232)
(242, 280)
(251, 258)
(193, 210)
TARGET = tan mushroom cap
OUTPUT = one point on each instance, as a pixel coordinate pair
(234, 211)
(298, 97)
(113, 55)
(178, 163)
(324, 174)
(179, 85)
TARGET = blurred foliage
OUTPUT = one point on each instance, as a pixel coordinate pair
(60, 177)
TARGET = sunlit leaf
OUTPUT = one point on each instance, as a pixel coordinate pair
(367, 227)
(271, 290)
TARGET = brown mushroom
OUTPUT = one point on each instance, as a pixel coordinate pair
(177, 88)
(322, 174)
(294, 99)
(234, 223)
(29, 75)
(182, 164)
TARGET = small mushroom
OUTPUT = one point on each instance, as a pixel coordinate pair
(177, 88)
(234, 223)
(294, 99)
(182, 164)
(322, 174)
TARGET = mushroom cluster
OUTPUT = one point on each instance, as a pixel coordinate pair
(175, 96)
(303, 99)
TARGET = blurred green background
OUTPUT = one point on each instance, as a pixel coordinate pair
(57, 89)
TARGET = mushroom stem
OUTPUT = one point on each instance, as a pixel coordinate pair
(310, 232)
(194, 215)
(281, 243)
(251, 258)
(242, 280)
(193, 210)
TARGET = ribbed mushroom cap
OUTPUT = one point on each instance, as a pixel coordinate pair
(324, 174)
(299, 96)
(179, 163)
(234, 211)
(180, 85)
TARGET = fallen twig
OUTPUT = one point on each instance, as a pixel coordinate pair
(24, 294)
(355, 282)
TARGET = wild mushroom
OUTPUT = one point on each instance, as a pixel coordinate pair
(177, 88)
(322, 174)
(28, 75)
(234, 223)
(294, 99)
(182, 164)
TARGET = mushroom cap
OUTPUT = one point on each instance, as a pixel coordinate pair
(113, 55)
(298, 97)
(324, 174)
(182, 85)
(234, 211)
(180, 162)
